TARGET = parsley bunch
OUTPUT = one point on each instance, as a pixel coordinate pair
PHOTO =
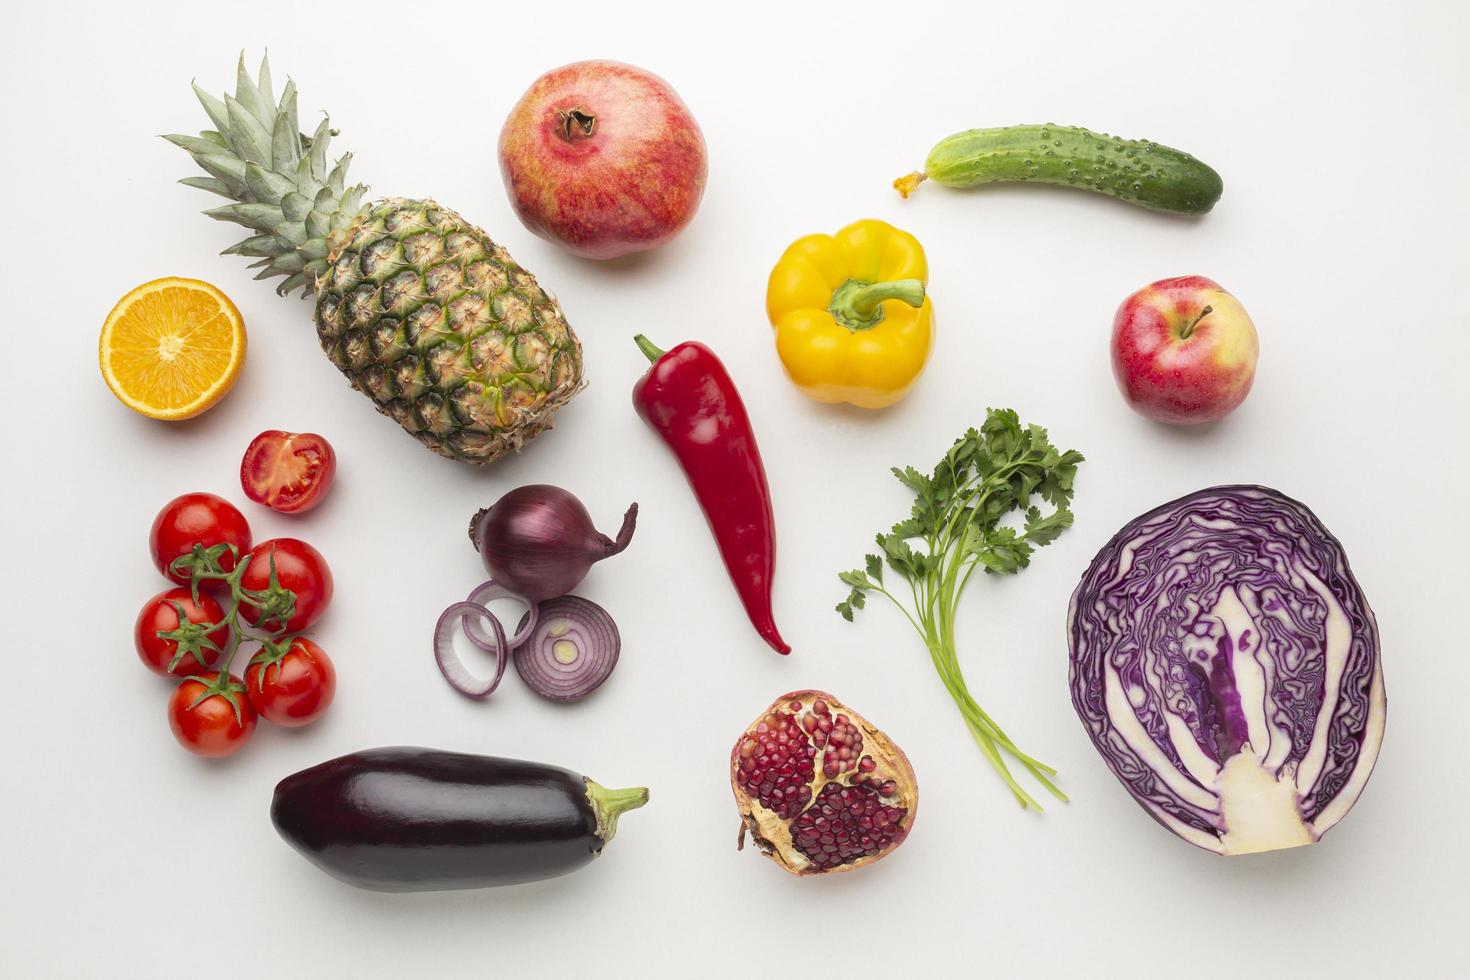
(957, 514)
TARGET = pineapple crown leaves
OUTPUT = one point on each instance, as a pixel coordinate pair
(278, 178)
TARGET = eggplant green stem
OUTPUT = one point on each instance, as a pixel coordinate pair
(646, 346)
(858, 305)
(608, 804)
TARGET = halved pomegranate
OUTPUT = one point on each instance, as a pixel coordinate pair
(819, 788)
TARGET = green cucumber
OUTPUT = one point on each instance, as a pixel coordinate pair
(1137, 171)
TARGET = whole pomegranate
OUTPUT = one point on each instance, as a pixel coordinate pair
(604, 158)
(819, 788)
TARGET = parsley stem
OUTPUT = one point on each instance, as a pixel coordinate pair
(986, 475)
(901, 608)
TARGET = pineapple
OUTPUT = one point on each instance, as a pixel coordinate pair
(425, 314)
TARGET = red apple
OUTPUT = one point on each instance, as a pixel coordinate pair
(1184, 351)
(604, 158)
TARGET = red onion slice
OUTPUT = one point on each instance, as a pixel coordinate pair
(453, 669)
(572, 650)
(485, 593)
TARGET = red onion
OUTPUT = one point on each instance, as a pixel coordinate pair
(572, 650)
(538, 541)
(484, 594)
(453, 669)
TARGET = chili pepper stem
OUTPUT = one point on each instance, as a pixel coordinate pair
(609, 804)
(858, 305)
(646, 346)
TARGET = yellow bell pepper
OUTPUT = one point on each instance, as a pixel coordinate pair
(852, 321)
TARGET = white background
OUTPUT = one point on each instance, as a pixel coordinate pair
(1341, 135)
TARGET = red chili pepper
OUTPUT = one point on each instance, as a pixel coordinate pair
(688, 398)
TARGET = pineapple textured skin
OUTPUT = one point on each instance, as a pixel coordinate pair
(422, 311)
(444, 331)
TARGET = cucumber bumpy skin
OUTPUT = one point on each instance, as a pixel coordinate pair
(1137, 171)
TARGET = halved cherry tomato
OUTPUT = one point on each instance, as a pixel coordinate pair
(211, 716)
(289, 472)
(197, 518)
(301, 571)
(161, 615)
(291, 687)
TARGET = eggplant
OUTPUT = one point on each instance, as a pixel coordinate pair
(406, 819)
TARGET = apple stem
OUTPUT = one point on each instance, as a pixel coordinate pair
(1188, 330)
(577, 123)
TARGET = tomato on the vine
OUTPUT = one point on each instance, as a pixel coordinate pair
(289, 472)
(210, 714)
(197, 519)
(300, 570)
(291, 684)
(202, 648)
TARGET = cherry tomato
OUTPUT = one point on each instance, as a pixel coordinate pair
(301, 570)
(289, 472)
(196, 518)
(295, 689)
(205, 720)
(161, 614)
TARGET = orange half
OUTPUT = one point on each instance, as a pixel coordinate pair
(172, 347)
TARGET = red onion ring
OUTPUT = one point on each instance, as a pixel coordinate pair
(453, 669)
(485, 593)
(572, 650)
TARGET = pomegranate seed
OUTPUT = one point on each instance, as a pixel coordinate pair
(844, 824)
(819, 706)
(866, 764)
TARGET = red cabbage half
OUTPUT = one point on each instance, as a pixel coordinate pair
(1225, 664)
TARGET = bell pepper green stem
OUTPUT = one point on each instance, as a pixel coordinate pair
(858, 305)
(646, 346)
